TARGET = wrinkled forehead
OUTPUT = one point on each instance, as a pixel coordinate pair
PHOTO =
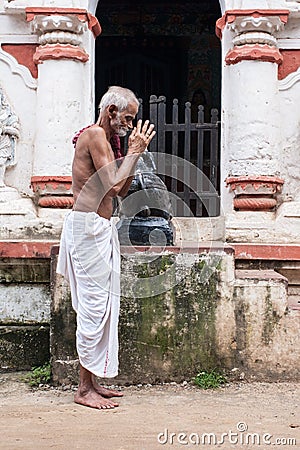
(131, 109)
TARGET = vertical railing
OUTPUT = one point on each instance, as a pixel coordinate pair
(200, 144)
(200, 139)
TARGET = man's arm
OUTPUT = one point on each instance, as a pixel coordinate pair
(117, 181)
(126, 187)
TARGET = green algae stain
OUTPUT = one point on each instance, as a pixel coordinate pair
(242, 321)
(175, 330)
(270, 320)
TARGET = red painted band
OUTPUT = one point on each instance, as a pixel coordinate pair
(255, 181)
(26, 249)
(254, 203)
(42, 249)
(41, 182)
(279, 252)
(290, 63)
(32, 11)
(231, 15)
(59, 201)
(59, 51)
(254, 52)
(24, 55)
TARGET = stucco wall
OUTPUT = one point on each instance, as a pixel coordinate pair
(222, 319)
(20, 89)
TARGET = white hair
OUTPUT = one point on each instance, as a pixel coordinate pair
(119, 96)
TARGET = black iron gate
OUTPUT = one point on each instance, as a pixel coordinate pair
(196, 142)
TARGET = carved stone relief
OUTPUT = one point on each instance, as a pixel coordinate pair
(9, 133)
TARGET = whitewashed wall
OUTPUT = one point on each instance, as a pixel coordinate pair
(20, 89)
(52, 108)
(289, 94)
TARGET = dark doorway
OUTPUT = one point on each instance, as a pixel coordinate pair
(161, 48)
(144, 65)
(169, 49)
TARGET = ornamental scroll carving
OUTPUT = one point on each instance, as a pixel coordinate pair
(254, 34)
(9, 133)
(256, 30)
(60, 36)
(58, 29)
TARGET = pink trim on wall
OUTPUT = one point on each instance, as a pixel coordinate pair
(254, 203)
(42, 249)
(255, 193)
(281, 252)
(82, 15)
(32, 11)
(232, 14)
(24, 55)
(94, 25)
(41, 182)
(56, 201)
(53, 191)
(290, 62)
(26, 249)
(255, 181)
(59, 51)
(254, 52)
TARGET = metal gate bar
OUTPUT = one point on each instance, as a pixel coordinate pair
(201, 139)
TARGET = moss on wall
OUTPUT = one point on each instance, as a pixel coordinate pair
(271, 319)
(171, 334)
(22, 347)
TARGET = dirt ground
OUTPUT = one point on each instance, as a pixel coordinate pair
(240, 415)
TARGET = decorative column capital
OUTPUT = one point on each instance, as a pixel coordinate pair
(251, 19)
(81, 14)
(256, 30)
(255, 193)
(53, 191)
(257, 22)
(254, 34)
(60, 32)
(58, 29)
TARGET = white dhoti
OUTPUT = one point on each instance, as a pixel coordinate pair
(89, 258)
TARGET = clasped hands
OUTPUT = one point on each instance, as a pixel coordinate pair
(140, 137)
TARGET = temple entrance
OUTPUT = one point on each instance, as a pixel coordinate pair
(144, 65)
(161, 48)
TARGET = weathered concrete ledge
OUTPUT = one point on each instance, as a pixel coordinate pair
(207, 317)
(267, 330)
(24, 312)
(168, 335)
(23, 347)
(196, 314)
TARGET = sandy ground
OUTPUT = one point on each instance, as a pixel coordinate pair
(148, 415)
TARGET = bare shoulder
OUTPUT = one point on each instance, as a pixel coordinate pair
(96, 132)
(91, 136)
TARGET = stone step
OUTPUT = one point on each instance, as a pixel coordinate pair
(288, 276)
(24, 347)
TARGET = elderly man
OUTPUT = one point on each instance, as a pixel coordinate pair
(89, 254)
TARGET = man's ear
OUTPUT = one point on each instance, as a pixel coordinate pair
(112, 111)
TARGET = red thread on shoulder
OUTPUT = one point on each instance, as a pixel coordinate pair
(114, 142)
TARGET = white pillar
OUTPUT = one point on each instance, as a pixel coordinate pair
(251, 128)
(63, 101)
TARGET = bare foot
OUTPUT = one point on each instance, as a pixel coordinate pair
(92, 399)
(104, 392)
